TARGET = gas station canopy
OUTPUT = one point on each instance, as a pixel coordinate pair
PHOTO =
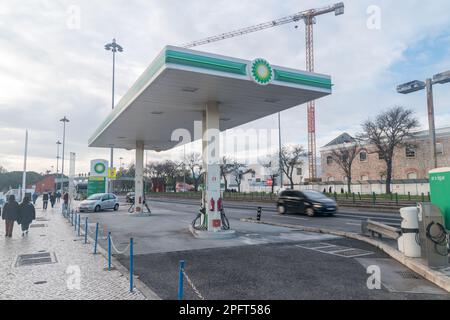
(173, 92)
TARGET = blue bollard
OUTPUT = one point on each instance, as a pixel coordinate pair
(131, 265)
(180, 283)
(109, 251)
(79, 222)
(96, 238)
(85, 230)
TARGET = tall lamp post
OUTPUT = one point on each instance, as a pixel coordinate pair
(58, 143)
(64, 121)
(114, 47)
(417, 85)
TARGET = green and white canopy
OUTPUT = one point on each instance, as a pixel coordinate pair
(172, 93)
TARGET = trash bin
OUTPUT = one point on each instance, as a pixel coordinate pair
(408, 243)
(440, 192)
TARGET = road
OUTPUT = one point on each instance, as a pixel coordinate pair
(345, 220)
(262, 262)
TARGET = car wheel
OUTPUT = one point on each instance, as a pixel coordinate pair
(116, 207)
(97, 209)
(310, 212)
(281, 209)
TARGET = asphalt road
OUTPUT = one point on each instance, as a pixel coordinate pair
(345, 220)
(263, 262)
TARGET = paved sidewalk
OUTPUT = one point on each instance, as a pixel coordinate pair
(57, 280)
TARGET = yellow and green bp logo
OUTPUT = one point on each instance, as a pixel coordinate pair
(261, 71)
(100, 168)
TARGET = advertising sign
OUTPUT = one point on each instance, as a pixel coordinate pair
(440, 192)
(99, 168)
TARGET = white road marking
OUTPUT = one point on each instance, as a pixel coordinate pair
(354, 224)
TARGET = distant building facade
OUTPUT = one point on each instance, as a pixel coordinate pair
(411, 162)
(46, 184)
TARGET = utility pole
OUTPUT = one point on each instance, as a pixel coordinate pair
(24, 174)
(64, 121)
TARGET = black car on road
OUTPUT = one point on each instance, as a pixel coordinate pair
(130, 197)
(308, 202)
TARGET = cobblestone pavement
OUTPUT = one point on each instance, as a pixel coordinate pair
(57, 280)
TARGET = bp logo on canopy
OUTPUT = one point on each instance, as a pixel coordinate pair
(261, 71)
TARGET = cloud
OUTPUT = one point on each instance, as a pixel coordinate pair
(52, 67)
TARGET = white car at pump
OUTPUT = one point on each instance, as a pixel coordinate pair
(99, 202)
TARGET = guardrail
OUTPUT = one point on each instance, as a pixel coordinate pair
(373, 228)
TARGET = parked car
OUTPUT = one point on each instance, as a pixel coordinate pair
(98, 202)
(130, 197)
(308, 202)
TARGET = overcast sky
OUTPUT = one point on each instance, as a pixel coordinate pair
(53, 62)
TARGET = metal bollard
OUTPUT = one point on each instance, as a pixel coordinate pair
(75, 222)
(109, 251)
(396, 199)
(79, 223)
(353, 198)
(180, 282)
(96, 238)
(258, 214)
(131, 265)
(85, 230)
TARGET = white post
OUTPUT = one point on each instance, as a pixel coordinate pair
(211, 156)
(24, 175)
(139, 177)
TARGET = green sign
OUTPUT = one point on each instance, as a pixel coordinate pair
(100, 168)
(440, 192)
(261, 71)
(96, 185)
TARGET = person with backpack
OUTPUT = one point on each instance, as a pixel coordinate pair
(10, 215)
(27, 214)
(53, 199)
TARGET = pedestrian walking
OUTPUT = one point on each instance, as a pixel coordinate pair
(27, 214)
(45, 200)
(10, 214)
(66, 201)
(58, 197)
(52, 199)
(35, 197)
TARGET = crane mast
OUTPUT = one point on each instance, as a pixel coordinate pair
(309, 17)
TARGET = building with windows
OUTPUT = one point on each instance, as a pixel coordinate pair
(412, 161)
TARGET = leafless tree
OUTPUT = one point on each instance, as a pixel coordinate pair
(194, 163)
(239, 170)
(291, 159)
(344, 155)
(387, 132)
(225, 169)
(270, 164)
(172, 171)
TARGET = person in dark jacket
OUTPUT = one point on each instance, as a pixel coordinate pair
(10, 214)
(35, 197)
(53, 199)
(45, 200)
(27, 214)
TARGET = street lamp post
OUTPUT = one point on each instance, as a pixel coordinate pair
(114, 47)
(416, 85)
(64, 121)
(58, 143)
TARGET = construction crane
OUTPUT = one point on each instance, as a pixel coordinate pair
(309, 18)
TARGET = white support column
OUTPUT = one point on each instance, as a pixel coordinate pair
(139, 177)
(211, 157)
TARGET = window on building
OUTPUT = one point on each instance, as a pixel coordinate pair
(364, 178)
(329, 160)
(363, 156)
(412, 175)
(299, 171)
(380, 156)
(330, 179)
(253, 174)
(439, 148)
(410, 151)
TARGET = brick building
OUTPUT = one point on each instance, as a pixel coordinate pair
(411, 162)
(46, 184)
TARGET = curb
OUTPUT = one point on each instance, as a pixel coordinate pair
(431, 275)
(138, 284)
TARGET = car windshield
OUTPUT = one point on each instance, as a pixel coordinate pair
(95, 197)
(314, 195)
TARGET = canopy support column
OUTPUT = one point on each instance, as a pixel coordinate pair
(139, 177)
(211, 158)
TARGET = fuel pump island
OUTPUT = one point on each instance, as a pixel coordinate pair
(196, 95)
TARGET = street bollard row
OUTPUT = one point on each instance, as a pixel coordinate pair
(75, 220)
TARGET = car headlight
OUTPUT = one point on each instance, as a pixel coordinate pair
(317, 206)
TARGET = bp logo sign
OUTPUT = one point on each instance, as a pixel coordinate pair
(261, 71)
(99, 168)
